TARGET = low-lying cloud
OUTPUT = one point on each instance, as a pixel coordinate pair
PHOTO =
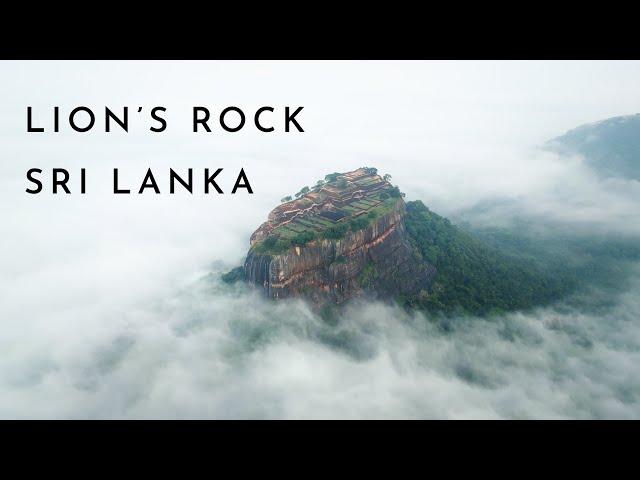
(214, 351)
(107, 309)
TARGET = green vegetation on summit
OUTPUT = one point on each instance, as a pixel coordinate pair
(349, 202)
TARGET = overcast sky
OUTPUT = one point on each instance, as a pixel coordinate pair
(450, 133)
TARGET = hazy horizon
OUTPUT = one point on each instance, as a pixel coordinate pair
(104, 313)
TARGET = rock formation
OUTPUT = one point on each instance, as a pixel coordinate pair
(341, 239)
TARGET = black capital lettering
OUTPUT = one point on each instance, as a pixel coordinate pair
(38, 183)
(149, 182)
(29, 127)
(201, 121)
(232, 109)
(173, 176)
(124, 124)
(161, 120)
(291, 119)
(62, 183)
(257, 119)
(245, 184)
(115, 183)
(92, 119)
(210, 180)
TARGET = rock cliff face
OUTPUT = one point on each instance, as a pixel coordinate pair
(372, 254)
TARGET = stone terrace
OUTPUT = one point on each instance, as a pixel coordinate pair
(350, 195)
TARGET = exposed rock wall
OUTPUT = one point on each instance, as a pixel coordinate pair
(377, 258)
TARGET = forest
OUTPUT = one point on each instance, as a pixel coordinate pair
(490, 271)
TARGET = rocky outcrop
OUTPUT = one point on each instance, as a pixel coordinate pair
(377, 259)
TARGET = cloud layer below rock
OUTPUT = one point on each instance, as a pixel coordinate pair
(211, 351)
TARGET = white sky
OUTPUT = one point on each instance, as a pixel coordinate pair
(450, 133)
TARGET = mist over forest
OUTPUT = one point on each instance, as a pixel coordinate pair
(114, 307)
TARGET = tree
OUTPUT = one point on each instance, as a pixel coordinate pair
(235, 275)
(303, 191)
(386, 177)
(395, 192)
(303, 238)
(269, 242)
(335, 232)
(332, 177)
(342, 183)
(286, 199)
(358, 223)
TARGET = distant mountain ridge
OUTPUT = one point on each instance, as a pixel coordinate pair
(611, 147)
